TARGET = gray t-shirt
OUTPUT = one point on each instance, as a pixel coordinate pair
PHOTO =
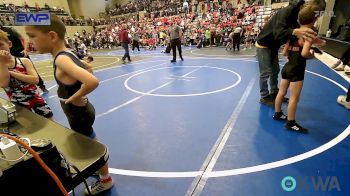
(174, 32)
(136, 37)
(238, 30)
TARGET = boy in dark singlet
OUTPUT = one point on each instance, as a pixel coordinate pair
(297, 50)
(74, 83)
(19, 78)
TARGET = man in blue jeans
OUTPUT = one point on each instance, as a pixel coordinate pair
(125, 40)
(274, 34)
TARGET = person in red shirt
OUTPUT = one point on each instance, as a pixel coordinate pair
(125, 40)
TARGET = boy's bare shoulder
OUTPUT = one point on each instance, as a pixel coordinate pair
(62, 59)
(25, 61)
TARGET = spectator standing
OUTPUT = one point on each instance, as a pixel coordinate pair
(175, 37)
(125, 40)
(236, 40)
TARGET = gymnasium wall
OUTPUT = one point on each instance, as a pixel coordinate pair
(52, 3)
(88, 8)
(70, 30)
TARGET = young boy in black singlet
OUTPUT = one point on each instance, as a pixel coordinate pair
(74, 83)
(297, 50)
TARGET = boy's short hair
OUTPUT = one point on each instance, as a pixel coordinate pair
(308, 12)
(56, 26)
(90, 58)
(4, 36)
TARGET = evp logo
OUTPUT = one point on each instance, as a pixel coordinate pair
(41, 18)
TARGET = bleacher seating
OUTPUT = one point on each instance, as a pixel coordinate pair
(10, 9)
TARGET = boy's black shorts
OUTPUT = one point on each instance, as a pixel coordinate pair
(293, 73)
(80, 118)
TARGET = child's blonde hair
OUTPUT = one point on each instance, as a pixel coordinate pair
(4, 36)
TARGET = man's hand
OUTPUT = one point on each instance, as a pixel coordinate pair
(305, 33)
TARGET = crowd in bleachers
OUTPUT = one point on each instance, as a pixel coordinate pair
(211, 28)
(160, 8)
(70, 21)
(279, 1)
(8, 10)
(130, 7)
(156, 7)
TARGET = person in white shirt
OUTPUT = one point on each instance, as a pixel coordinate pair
(82, 49)
(237, 34)
(185, 6)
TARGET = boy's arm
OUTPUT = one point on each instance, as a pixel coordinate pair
(306, 50)
(25, 46)
(31, 77)
(285, 49)
(4, 72)
(89, 81)
(87, 65)
(4, 76)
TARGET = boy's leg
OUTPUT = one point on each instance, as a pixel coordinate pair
(281, 93)
(295, 91)
(104, 183)
(104, 170)
(81, 121)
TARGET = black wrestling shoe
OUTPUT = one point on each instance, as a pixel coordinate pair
(293, 126)
(279, 116)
